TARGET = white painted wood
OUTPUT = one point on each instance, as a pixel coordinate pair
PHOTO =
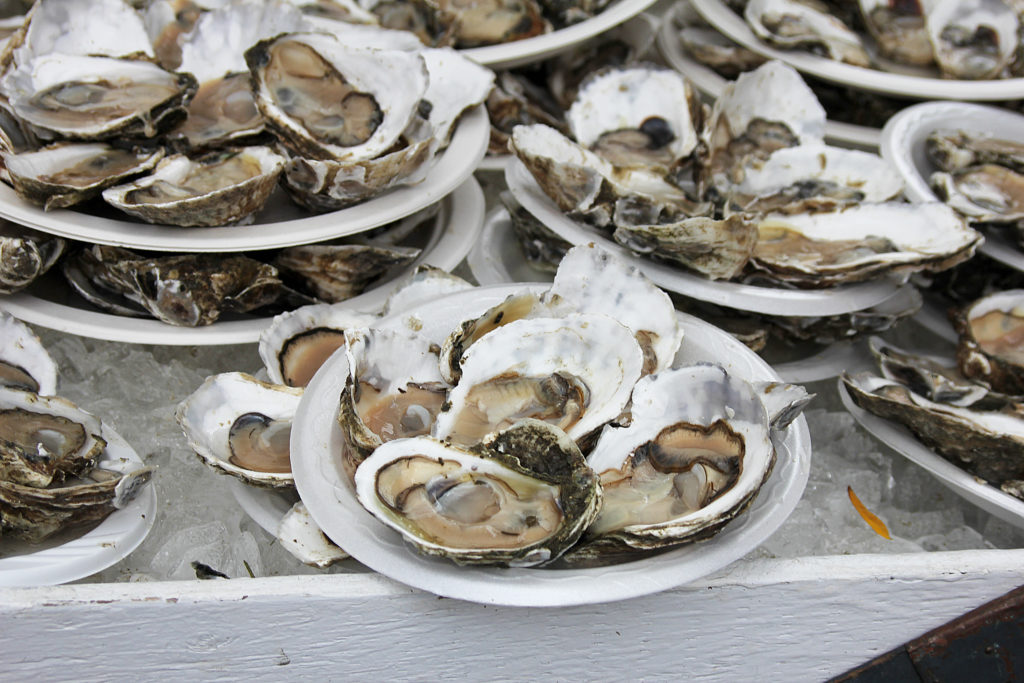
(793, 620)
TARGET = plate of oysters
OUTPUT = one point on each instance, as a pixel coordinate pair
(960, 419)
(971, 157)
(462, 472)
(102, 291)
(73, 493)
(188, 154)
(957, 49)
(775, 222)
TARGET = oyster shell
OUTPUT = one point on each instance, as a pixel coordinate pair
(393, 390)
(96, 98)
(696, 452)
(299, 534)
(520, 498)
(899, 30)
(988, 193)
(24, 362)
(808, 24)
(241, 426)
(336, 272)
(576, 373)
(973, 39)
(216, 188)
(25, 255)
(298, 342)
(65, 174)
(179, 289)
(300, 79)
(991, 344)
(951, 150)
(983, 442)
(863, 241)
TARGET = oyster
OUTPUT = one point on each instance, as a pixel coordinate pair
(696, 452)
(986, 443)
(973, 39)
(991, 345)
(485, 22)
(805, 24)
(335, 272)
(25, 255)
(216, 188)
(640, 116)
(48, 475)
(393, 390)
(242, 426)
(24, 362)
(863, 241)
(298, 342)
(179, 289)
(576, 373)
(520, 498)
(65, 174)
(300, 79)
(899, 30)
(951, 150)
(988, 193)
(96, 98)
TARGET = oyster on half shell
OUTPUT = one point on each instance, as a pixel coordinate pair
(520, 498)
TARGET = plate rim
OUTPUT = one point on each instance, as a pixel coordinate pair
(716, 13)
(456, 163)
(531, 587)
(900, 439)
(103, 546)
(768, 300)
(466, 213)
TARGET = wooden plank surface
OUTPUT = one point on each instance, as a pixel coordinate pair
(793, 620)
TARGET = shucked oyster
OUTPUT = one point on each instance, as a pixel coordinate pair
(519, 498)
(24, 362)
(25, 255)
(695, 454)
(217, 188)
(991, 346)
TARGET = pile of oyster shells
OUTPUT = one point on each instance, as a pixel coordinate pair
(981, 176)
(52, 474)
(258, 90)
(553, 425)
(971, 410)
(961, 39)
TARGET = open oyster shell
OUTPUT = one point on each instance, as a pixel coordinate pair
(519, 498)
(216, 188)
(991, 344)
(575, 372)
(694, 455)
(241, 426)
(24, 362)
(25, 255)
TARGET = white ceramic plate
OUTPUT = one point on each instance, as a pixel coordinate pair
(718, 14)
(711, 84)
(903, 146)
(767, 300)
(327, 492)
(538, 48)
(899, 438)
(281, 223)
(68, 556)
(52, 304)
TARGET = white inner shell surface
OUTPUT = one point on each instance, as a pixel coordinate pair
(595, 349)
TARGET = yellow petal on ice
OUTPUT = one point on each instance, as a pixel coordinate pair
(877, 525)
